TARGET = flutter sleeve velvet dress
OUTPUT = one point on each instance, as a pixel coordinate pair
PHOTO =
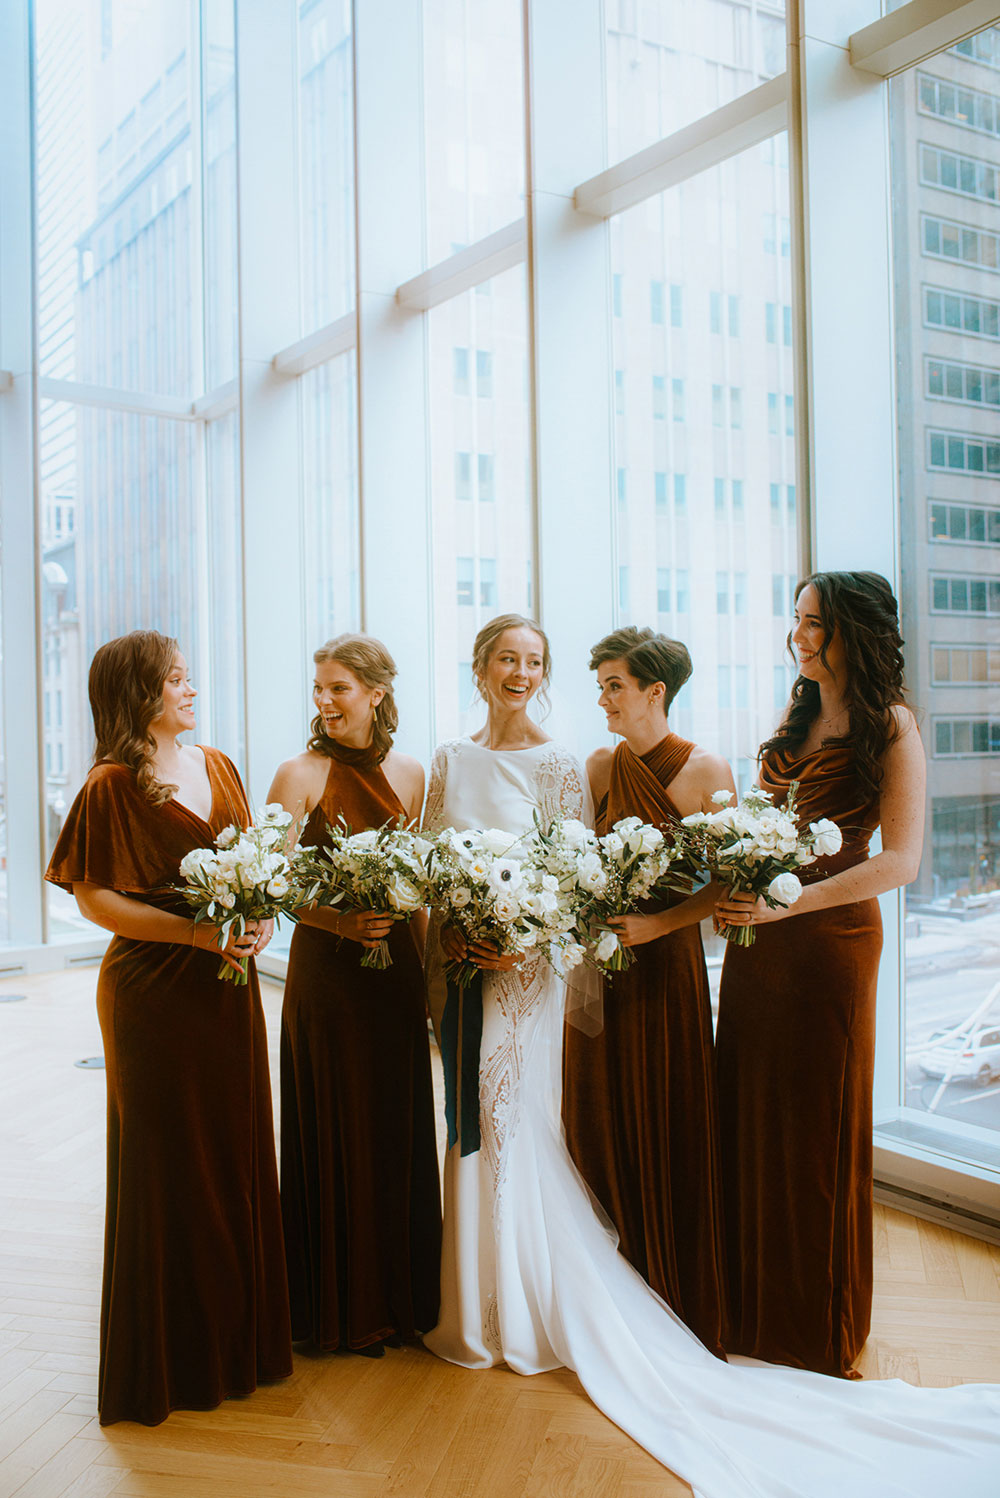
(796, 1048)
(195, 1301)
(360, 1188)
(639, 1098)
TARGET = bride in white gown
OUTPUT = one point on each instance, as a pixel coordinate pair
(530, 1272)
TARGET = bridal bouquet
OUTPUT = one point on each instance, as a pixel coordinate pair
(755, 848)
(613, 874)
(381, 868)
(491, 896)
(249, 875)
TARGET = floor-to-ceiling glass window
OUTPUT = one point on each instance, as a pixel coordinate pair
(945, 123)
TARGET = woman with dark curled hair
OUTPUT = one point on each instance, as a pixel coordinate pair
(796, 1033)
(195, 1301)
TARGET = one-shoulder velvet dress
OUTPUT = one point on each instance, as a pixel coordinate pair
(796, 1048)
(639, 1098)
(360, 1189)
(195, 1301)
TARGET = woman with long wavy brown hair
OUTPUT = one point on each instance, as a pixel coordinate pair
(796, 1033)
(195, 1301)
(359, 1178)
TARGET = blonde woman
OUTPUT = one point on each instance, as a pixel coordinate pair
(359, 1175)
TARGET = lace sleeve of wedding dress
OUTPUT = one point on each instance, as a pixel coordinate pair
(561, 787)
(433, 818)
(563, 791)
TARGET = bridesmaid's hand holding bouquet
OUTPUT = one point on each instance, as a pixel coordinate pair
(379, 869)
(247, 877)
(754, 848)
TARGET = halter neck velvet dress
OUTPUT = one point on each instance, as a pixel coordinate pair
(796, 1050)
(195, 1304)
(639, 1098)
(360, 1191)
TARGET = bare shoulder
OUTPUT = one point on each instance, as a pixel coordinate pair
(599, 770)
(298, 776)
(904, 720)
(405, 767)
(712, 771)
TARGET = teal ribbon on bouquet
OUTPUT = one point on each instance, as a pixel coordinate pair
(463, 1011)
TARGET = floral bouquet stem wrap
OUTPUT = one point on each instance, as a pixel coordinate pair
(754, 848)
(248, 876)
(380, 869)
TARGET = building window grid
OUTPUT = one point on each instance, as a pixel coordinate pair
(959, 104)
(967, 384)
(965, 665)
(973, 316)
(944, 239)
(966, 736)
(983, 47)
(968, 525)
(968, 176)
(960, 452)
(964, 593)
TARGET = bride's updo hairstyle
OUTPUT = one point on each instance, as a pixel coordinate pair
(125, 686)
(648, 657)
(486, 641)
(374, 667)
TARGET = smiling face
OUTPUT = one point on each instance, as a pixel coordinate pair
(630, 708)
(809, 637)
(178, 701)
(345, 704)
(514, 671)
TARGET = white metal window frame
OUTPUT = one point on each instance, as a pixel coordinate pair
(832, 100)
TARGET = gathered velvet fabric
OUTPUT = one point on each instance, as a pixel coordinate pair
(639, 1098)
(359, 1175)
(195, 1302)
(796, 1049)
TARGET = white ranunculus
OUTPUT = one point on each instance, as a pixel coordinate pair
(695, 819)
(460, 896)
(614, 844)
(722, 798)
(227, 899)
(590, 874)
(827, 837)
(197, 863)
(786, 889)
(277, 886)
(575, 833)
(227, 837)
(607, 946)
(366, 839)
(506, 907)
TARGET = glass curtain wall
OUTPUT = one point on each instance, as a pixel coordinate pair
(945, 126)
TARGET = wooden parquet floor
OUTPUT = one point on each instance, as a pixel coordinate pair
(342, 1426)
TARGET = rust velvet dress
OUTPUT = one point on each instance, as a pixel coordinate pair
(796, 1047)
(360, 1189)
(195, 1301)
(639, 1098)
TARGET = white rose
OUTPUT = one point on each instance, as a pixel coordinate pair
(575, 833)
(785, 889)
(402, 895)
(827, 837)
(277, 886)
(506, 908)
(614, 844)
(366, 839)
(460, 897)
(227, 837)
(197, 863)
(606, 947)
(494, 840)
(590, 874)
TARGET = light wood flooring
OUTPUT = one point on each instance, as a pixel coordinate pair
(342, 1426)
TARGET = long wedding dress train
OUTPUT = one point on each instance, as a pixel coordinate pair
(531, 1274)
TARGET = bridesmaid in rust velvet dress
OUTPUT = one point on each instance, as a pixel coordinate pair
(359, 1174)
(639, 1098)
(195, 1303)
(796, 1036)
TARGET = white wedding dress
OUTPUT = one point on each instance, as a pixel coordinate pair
(531, 1275)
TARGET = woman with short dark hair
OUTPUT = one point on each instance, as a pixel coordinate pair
(639, 1097)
